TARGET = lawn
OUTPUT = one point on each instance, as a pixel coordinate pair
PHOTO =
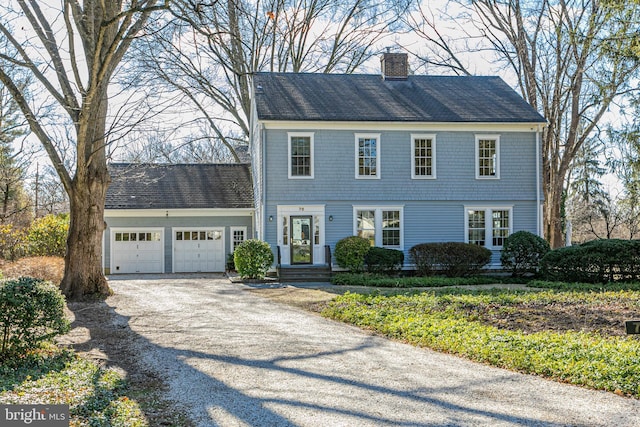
(573, 336)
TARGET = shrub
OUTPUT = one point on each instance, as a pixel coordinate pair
(350, 252)
(522, 252)
(453, 259)
(11, 242)
(252, 259)
(47, 236)
(598, 261)
(383, 260)
(31, 311)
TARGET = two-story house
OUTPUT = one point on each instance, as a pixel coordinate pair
(398, 159)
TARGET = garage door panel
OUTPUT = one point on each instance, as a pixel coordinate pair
(199, 250)
(137, 251)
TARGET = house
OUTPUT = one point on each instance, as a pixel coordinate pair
(176, 218)
(396, 158)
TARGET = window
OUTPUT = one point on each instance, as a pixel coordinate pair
(488, 226)
(487, 156)
(367, 156)
(381, 226)
(300, 155)
(238, 235)
(423, 156)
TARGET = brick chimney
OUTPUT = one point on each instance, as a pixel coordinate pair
(395, 66)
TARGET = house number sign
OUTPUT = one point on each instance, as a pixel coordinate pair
(632, 326)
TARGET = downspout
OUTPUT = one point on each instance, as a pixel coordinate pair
(538, 186)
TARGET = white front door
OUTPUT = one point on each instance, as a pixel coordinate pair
(301, 234)
(198, 250)
(138, 250)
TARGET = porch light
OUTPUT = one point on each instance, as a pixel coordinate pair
(330, 217)
(270, 218)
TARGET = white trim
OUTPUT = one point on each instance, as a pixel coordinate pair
(432, 137)
(198, 229)
(496, 138)
(375, 136)
(538, 185)
(112, 241)
(488, 224)
(315, 211)
(155, 213)
(378, 222)
(404, 126)
(231, 231)
(310, 135)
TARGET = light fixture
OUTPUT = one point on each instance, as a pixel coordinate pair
(270, 218)
(330, 217)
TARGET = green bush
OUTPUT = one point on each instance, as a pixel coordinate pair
(31, 311)
(252, 259)
(383, 260)
(350, 252)
(47, 236)
(522, 252)
(598, 261)
(384, 281)
(453, 259)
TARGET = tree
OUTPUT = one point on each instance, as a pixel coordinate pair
(205, 54)
(72, 55)
(571, 59)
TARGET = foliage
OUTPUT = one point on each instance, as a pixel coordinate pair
(593, 287)
(47, 236)
(350, 252)
(522, 252)
(383, 260)
(44, 268)
(253, 258)
(96, 396)
(453, 259)
(598, 261)
(444, 323)
(11, 242)
(383, 281)
(31, 311)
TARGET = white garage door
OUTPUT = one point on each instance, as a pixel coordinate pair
(198, 250)
(136, 251)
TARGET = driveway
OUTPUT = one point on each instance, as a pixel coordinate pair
(233, 358)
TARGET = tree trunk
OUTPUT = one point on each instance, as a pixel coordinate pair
(553, 213)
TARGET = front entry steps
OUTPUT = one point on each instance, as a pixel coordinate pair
(304, 273)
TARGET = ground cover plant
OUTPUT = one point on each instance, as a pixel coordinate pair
(571, 336)
(385, 281)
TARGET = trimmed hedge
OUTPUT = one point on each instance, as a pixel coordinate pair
(350, 253)
(598, 261)
(31, 312)
(383, 260)
(453, 259)
(252, 259)
(522, 252)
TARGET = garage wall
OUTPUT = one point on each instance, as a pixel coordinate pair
(168, 223)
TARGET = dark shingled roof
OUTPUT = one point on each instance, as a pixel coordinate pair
(179, 186)
(359, 97)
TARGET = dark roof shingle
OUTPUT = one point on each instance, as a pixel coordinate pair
(364, 97)
(179, 186)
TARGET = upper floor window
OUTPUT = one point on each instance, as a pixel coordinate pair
(368, 156)
(488, 227)
(300, 155)
(423, 156)
(487, 156)
(382, 226)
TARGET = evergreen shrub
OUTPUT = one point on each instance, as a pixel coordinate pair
(453, 259)
(383, 260)
(252, 259)
(522, 252)
(351, 251)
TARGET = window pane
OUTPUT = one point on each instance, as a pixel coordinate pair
(194, 235)
(487, 157)
(132, 237)
(476, 227)
(125, 237)
(367, 155)
(500, 226)
(178, 235)
(390, 228)
(423, 157)
(285, 230)
(366, 225)
(118, 237)
(300, 156)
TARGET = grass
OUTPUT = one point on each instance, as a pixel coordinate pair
(456, 322)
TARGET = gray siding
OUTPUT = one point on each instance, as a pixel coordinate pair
(168, 223)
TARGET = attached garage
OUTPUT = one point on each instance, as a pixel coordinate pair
(137, 250)
(198, 250)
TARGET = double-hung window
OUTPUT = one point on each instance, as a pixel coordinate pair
(487, 156)
(367, 156)
(423, 156)
(488, 227)
(382, 226)
(300, 155)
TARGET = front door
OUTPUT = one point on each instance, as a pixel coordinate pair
(301, 240)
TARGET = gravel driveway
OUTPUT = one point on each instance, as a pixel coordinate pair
(232, 358)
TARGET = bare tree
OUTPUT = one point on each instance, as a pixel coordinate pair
(72, 55)
(571, 59)
(206, 53)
